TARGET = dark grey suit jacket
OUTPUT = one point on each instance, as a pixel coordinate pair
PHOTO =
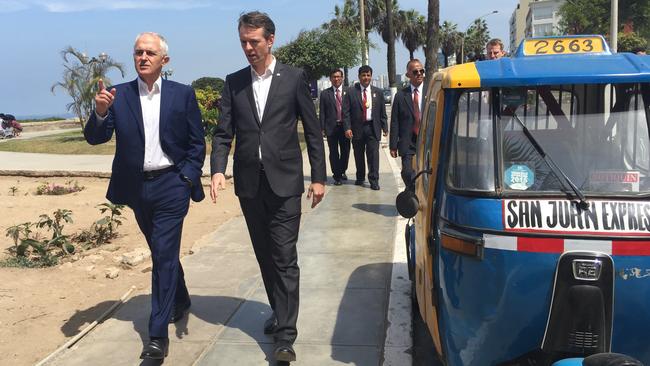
(327, 110)
(288, 100)
(402, 117)
(352, 111)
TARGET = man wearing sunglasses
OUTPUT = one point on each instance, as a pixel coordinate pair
(405, 119)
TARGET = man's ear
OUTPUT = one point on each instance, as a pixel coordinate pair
(270, 40)
(165, 60)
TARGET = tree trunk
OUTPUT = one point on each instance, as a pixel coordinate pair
(411, 56)
(346, 80)
(391, 42)
(433, 20)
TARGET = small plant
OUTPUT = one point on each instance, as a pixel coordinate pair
(55, 224)
(53, 189)
(13, 190)
(16, 231)
(104, 229)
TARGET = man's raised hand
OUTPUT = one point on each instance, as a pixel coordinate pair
(103, 99)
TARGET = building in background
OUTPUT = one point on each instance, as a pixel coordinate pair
(533, 18)
(542, 18)
(518, 24)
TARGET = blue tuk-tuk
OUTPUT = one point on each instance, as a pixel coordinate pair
(530, 237)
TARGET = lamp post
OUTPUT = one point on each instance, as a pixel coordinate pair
(167, 73)
(462, 39)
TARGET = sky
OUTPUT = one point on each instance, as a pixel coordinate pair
(202, 37)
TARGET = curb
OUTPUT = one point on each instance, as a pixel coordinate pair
(399, 333)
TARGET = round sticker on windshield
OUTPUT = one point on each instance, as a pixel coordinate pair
(519, 177)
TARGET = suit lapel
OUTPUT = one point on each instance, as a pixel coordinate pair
(133, 100)
(409, 99)
(166, 96)
(359, 95)
(275, 82)
(249, 94)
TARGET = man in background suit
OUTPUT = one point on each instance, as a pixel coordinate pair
(405, 119)
(261, 105)
(331, 120)
(364, 117)
(159, 153)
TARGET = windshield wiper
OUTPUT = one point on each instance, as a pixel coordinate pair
(564, 179)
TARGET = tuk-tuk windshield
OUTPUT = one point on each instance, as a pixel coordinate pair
(596, 135)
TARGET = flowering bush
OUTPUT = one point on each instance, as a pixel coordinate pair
(54, 189)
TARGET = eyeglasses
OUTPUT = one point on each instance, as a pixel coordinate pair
(418, 72)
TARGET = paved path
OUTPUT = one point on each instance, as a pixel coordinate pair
(346, 259)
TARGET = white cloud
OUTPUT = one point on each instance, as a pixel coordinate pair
(66, 6)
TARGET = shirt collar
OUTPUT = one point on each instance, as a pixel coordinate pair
(144, 88)
(268, 72)
(419, 88)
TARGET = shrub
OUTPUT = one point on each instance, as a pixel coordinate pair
(54, 189)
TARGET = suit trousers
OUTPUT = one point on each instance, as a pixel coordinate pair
(366, 146)
(407, 162)
(339, 146)
(273, 224)
(163, 205)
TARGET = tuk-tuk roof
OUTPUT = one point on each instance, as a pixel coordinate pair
(526, 67)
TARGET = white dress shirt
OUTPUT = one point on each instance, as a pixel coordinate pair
(154, 157)
(419, 88)
(369, 99)
(261, 86)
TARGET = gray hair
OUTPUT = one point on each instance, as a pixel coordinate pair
(163, 42)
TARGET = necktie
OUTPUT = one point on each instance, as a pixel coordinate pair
(416, 112)
(365, 106)
(338, 106)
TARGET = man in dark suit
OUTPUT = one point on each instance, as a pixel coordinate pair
(364, 118)
(160, 149)
(260, 107)
(405, 119)
(331, 121)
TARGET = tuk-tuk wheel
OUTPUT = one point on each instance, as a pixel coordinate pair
(610, 359)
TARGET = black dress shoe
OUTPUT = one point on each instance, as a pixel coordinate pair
(374, 186)
(156, 349)
(358, 182)
(270, 325)
(337, 182)
(179, 312)
(344, 177)
(284, 352)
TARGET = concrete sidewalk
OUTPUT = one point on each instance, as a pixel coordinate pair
(346, 259)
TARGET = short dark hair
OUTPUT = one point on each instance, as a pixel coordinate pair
(638, 49)
(334, 71)
(412, 61)
(257, 19)
(495, 42)
(365, 68)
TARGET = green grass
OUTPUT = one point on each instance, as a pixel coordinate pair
(48, 119)
(66, 143)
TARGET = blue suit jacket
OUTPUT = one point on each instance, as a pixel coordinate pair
(181, 137)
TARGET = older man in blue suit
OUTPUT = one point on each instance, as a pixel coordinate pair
(160, 149)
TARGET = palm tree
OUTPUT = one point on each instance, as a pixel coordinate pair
(385, 21)
(476, 37)
(346, 18)
(80, 79)
(449, 37)
(414, 30)
(431, 49)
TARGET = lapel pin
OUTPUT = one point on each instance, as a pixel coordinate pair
(278, 74)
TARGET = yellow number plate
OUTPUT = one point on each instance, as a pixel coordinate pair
(559, 46)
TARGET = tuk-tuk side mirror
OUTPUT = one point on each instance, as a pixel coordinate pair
(407, 204)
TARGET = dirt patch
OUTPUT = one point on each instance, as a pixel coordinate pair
(41, 308)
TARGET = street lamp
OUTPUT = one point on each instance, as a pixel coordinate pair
(462, 40)
(167, 73)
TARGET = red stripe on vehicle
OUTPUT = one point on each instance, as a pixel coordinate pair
(540, 245)
(631, 248)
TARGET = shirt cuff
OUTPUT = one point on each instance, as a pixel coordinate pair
(101, 119)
